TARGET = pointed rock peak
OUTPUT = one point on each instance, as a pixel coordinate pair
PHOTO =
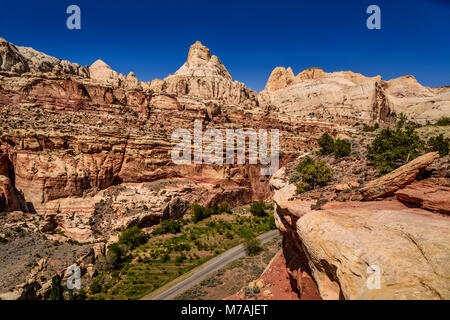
(280, 78)
(198, 54)
(311, 73)
(201, 63)
(99, 70)
(100, 64)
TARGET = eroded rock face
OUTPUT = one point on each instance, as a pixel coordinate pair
(280, 78)
(316, 94)
(22, 60)
(204, 76)
(8, 198)
(418, 102)
(427, 194)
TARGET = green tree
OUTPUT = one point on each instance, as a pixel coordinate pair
(393, 148)
(258, 209)
(199, 212)
(444, 121)
(308, 174)
(133, 237)
(252, 246)
(168, 226)
(56, 292)
(439, 144)
(326, 144)
(342, 148)
(402, 120)
(367, 128)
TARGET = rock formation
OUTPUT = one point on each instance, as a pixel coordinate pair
(399, 178)
(27, 60)
(341, 244)
(316, 94)
(85, 151)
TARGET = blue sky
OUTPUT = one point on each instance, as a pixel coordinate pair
(152, 38)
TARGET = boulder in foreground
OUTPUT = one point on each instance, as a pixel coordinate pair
(409, 246)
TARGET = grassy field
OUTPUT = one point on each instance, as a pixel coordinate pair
(165, 257)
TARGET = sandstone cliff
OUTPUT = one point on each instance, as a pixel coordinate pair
(316, 94)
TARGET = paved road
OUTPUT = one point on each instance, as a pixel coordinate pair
(210, 267)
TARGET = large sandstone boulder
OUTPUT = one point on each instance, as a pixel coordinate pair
(397, 179)
(410, 248)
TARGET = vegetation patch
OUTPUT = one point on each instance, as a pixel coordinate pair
(309, 174)
(253, 246)
(340, 148)
(444, 121)
(439, 144)
(326, 144)
(167, 254)
(368, 128)
(393, 148)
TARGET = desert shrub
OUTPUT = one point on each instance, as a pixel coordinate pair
(402, 120)
(96, 286)
(180, 259)
(272, 225)
(56, 291)
(309, 174)
(225, 208)
(393, 148)
(256, 289)
(114, 257)
(165, 257)
(258, 209)
(439, 144)
(367, 128)
(168, 226)
(252, 246)
(229, 235)
(342, 148)
(326, 144)
(80, 295)
(117, 252)
(444, 121)
(199, 212)
(248, 292)
(133, 237)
